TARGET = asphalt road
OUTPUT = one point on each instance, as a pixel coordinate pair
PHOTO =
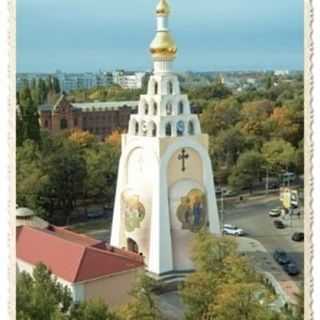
(252, 216)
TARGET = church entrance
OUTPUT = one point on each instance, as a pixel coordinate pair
(132, 245)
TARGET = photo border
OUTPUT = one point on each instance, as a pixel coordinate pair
(7, 161)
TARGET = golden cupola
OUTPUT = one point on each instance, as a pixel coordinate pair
(163, 46)
(163, 8)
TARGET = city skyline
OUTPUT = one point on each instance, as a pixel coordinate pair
(78, 36)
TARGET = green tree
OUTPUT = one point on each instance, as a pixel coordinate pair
(66, 172)
(220, 116)
(227, 146)
(30, 177)
(93, 310)
(249, 168)
(41, 296)
(43, 91)
(279, 155)
(239, 301)
(56, 85)
(102, 170)
(29, 117)
(253, 117)
(224, 285)
(143, 304)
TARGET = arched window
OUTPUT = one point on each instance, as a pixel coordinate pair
(153, 129)
(132, 246)
(170, 87)
(46, 124)
(146, 108)
(181, 107)
(191, 128)
(155, 108)
(63, 124)
(144, 128)
(169, 108)
(180, 128)
(136, 128)
(168, 129)
(156, 87)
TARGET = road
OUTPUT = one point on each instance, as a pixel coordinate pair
(252, 216)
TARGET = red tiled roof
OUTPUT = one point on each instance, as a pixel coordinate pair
(71, 256)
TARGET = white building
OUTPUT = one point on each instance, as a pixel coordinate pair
(128, 80)
(165, 191)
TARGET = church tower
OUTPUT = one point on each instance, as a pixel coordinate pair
(165, 190)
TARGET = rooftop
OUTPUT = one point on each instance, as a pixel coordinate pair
(71, 256)
(96, 106)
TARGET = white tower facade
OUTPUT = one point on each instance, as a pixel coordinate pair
(165, 190)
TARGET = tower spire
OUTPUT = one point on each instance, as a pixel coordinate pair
(163, 47)
(163, 8)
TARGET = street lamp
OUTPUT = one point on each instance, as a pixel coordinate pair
(222, 210)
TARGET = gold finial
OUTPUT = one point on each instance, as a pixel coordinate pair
(163, 8)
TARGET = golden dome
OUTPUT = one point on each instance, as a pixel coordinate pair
(163, 46)
(163, 8)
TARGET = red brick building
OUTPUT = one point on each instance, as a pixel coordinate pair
(99, 118)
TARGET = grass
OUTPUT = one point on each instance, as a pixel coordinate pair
(91, 225)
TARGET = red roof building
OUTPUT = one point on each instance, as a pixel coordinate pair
(78, 260)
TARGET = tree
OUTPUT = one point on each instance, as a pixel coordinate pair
(249, 168)
(253, 117)
(227, 146)
(30, 177)
(102, 169)
(83, 138)
(239, 301)
(66, 172)
(279, 155)
(43, 91)
(41, 296)
(284, 126)
(93, 310)
(220, 116)
(114, 139)
(29, 127)
(217, 90)
(224, 285)
(56, 85)
(143, 304)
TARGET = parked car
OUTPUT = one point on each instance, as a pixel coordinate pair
(281, 257)
(95, 213)
(275, 212)
(279, 224)
(291, 269)
(298, 236)
(233, 230)
(274, 185)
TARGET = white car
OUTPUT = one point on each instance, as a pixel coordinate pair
(233, 230)
(275, 212)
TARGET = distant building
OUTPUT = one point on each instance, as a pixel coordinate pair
(281, 73)
(91, 269)
(128, 80)
(99, 118)
(75, 81)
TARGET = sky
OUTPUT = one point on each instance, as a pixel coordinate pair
(211, 35)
